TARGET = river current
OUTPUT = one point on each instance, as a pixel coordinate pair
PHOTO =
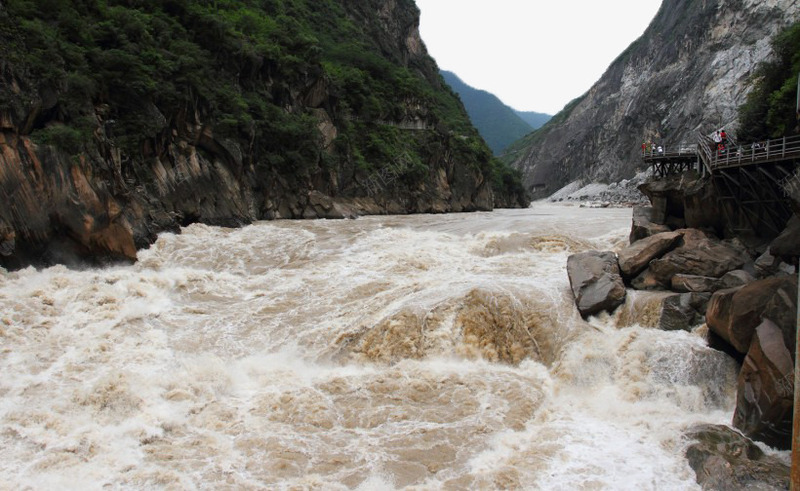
(399, 352)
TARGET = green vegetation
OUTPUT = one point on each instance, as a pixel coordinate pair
(770, 108)
(497, 123)
(140, 69)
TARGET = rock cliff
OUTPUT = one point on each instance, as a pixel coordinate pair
(688, 73)
(119, 121)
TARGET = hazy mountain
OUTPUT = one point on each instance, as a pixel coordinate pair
(534, 119)
(497, 123)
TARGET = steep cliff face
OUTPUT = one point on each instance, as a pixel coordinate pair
(121, 120)
(688, 73)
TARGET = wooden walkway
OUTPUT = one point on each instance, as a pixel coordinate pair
(753, 182)
(672, 160)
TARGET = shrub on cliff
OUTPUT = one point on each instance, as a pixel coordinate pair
(770, 108)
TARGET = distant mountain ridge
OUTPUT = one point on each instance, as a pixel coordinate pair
(498, 124)
(534, 119)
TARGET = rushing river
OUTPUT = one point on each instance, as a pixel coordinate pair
(412, 352)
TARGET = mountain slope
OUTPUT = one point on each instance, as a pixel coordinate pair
(534, 119)
(687, 73)
(119, 120)
(497, 123)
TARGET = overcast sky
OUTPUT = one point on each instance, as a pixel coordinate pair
(535, 55)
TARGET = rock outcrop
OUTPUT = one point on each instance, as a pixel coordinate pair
(688, 73)
(684, 201)
(681, 312)
(696, 283)
(734, 314)
(787, 245)
(644, 223)
(724, 459)
(765, 389)
(699, 255)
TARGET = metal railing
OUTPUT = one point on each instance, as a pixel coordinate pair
(757, 152)
(714, 157)
(664, 151)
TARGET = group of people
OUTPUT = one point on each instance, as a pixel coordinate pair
(651, 148)
(722, 144)
(721, 140)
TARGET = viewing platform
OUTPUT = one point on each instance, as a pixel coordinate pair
(674, 160)
(753, 182)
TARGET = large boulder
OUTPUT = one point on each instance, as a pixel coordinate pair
(734, 314)
(635, 258)
(596, 281)
(646, 281)
(695, 283)
(766, 265)
(736, 278)
(644, 224)
(787, 245)
(699, 255)
(683, 311)
(765, 389)
(723, 459)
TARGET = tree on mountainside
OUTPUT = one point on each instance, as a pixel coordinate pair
(770, 109)
(129, 73)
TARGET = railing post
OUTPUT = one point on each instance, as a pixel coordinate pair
(783, 148)
(795, 469)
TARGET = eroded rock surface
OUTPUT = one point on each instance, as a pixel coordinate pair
(596, 281)
(723, 459)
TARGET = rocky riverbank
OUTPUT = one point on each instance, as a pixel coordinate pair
(741, 291)
(594, 194)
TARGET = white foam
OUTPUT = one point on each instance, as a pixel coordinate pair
(221, 359)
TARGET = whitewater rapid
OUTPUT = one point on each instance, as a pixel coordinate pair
(400, 352)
